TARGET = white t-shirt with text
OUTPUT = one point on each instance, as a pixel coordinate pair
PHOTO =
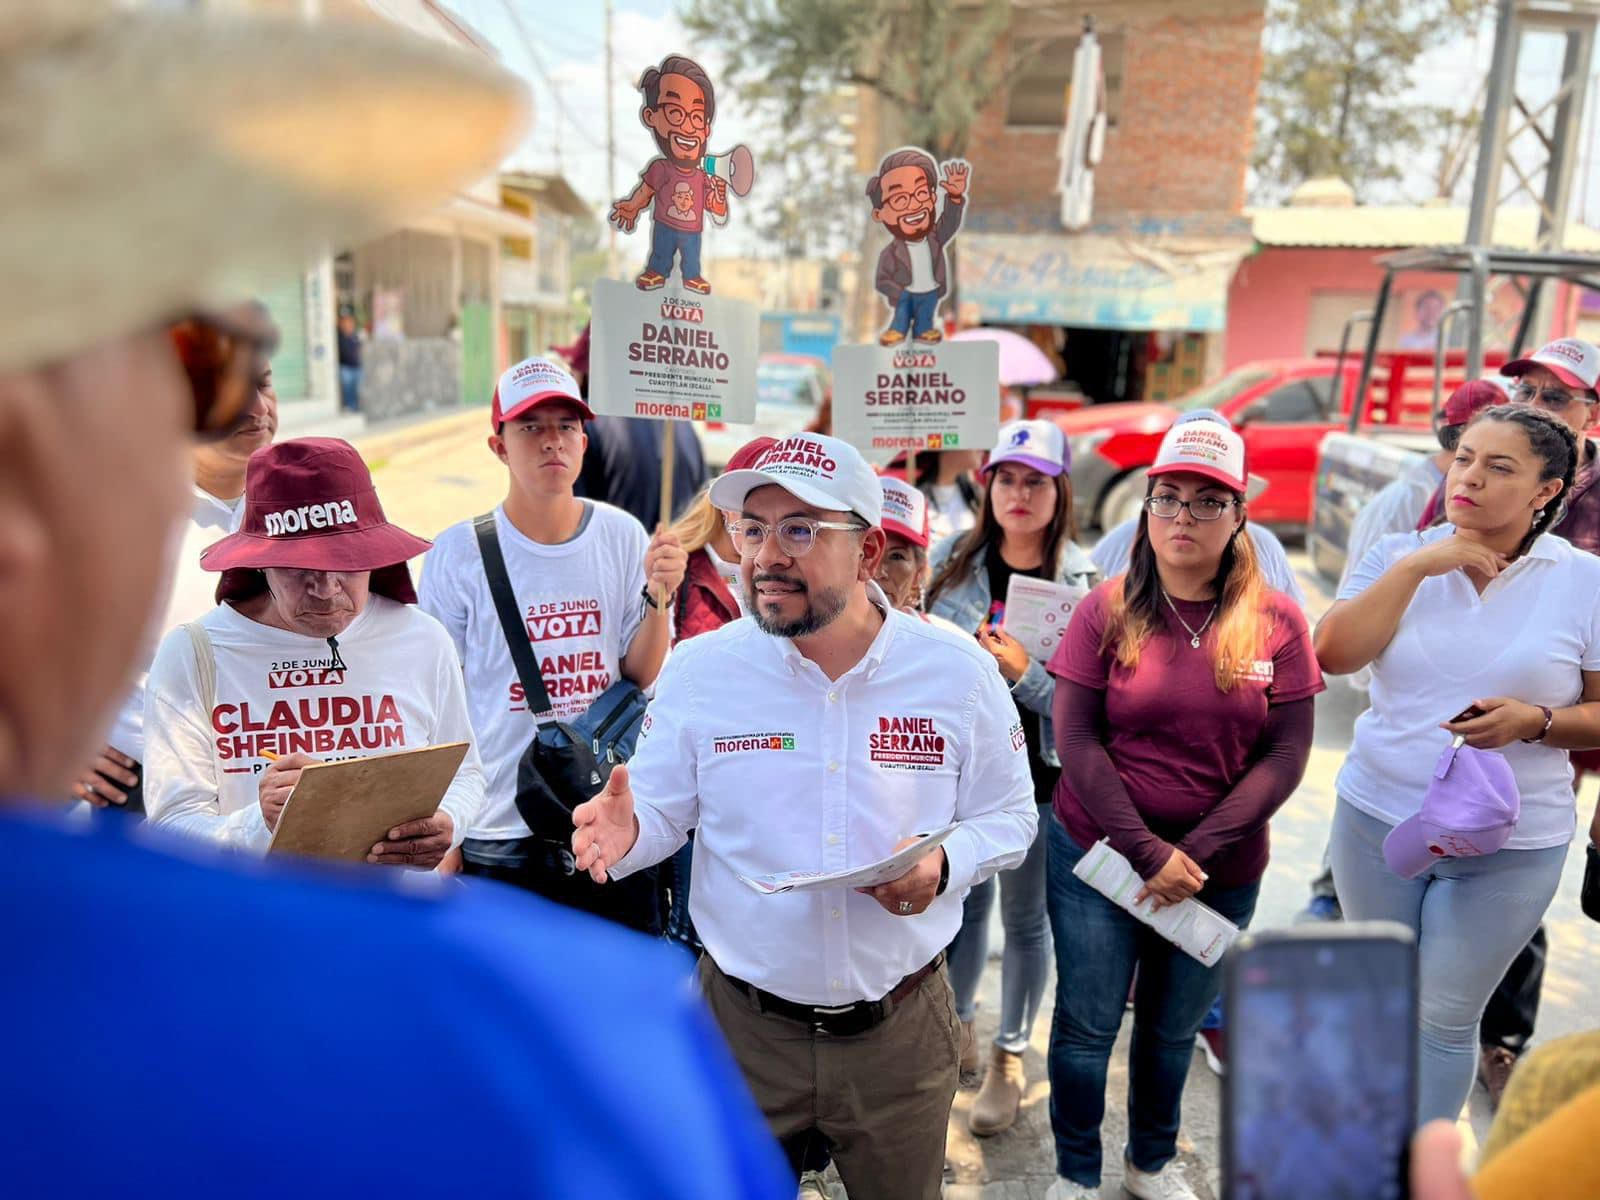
(280, 693)
(581, 602)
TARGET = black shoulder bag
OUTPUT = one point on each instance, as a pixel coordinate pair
(566, 764)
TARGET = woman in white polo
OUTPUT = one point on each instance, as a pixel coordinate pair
(320, 654)
(1494, 613)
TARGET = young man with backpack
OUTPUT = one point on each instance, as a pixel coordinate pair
(587, 585)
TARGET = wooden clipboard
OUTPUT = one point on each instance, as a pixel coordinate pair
(341, 810)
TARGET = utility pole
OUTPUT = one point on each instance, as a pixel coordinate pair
(611, 153)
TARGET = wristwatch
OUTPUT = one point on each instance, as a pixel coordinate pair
(944, 876)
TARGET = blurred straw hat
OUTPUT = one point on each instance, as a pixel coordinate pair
(153, 161)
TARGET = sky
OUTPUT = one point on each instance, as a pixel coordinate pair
(565, 67)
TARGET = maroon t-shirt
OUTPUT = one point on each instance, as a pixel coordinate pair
(1179, 745)
(667, 181)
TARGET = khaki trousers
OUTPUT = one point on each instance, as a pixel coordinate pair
(880, 1100)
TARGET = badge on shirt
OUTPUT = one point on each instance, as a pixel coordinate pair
(743, 743)
(907, 743)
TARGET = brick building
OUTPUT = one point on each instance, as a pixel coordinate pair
(1133, 303)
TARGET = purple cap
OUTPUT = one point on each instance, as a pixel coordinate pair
(1471, 808)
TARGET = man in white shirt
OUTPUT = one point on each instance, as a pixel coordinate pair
(822, 734)
(115, 779)
(588, 581)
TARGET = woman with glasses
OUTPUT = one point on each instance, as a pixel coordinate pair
(1024, 527)
(1183, 717)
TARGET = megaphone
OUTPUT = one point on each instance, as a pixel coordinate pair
(737, 166)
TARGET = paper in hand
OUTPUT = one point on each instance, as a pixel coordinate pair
(1037, 612)
(871, 875)
(1198, 930)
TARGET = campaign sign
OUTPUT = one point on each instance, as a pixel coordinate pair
(673, 354)
(945, 396)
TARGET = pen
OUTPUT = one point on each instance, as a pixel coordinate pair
(269, 756)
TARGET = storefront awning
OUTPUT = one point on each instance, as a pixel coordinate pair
(1100, 281)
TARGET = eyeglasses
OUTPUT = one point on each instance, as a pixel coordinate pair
(1551, 398)
(681, 118)
(1206, 508)
(796, 535)
(901, 201)
(225, 358)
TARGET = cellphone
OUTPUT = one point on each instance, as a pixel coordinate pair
(1467, 713)
(1319, 1098)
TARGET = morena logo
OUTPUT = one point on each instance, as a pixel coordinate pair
(1571, 351)
(310, 516)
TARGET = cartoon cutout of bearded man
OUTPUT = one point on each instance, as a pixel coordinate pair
(912, 275)
(679, 104)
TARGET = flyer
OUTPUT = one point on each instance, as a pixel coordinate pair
(1037, 612)
(882, 871)
(889, 399)
(672, 354)
(1197, 929)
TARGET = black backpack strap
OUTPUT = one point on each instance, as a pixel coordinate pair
(516, 633)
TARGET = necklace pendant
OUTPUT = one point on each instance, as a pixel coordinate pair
(1195, 641)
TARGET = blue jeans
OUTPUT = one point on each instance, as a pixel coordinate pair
(1471, 917)
(1025, 964)
(349, 388)
(1098, 945)
(915, 311)
(675, 874)
(665, 242)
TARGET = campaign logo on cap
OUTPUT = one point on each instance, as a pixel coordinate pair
(1037, 444)
(905, 510)
(1573, 361)
(821, 471)
(1470, 809)
(1204, 443)
(532, 382)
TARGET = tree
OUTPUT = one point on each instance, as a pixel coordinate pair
(1334, 90)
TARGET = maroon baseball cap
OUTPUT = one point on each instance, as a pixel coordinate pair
(746, 455)
(309, 505)
(1470, 399)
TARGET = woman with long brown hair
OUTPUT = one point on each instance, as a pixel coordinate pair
(1183, 719)
(1024, 527)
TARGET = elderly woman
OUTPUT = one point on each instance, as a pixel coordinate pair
(314, 653)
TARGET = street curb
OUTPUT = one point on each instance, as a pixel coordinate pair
(385, 445)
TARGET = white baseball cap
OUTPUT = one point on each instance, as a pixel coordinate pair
(1037, 444)
(1576, 363)
(905, 510)
(532, 382)
(1202, 442)
(813, 468)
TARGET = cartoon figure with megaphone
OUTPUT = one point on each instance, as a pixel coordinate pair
(685, 182)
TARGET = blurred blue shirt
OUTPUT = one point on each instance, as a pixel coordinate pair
(194, 1027)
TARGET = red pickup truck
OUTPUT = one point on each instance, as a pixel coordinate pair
(1281, 407)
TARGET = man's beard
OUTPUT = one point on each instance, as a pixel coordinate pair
(829, 603)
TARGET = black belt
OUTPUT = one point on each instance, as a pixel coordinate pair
(846, 1020)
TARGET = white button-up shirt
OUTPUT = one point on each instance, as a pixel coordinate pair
(780, 768)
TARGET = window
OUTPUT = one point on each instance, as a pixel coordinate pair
(1291, 404)
(1041, 70)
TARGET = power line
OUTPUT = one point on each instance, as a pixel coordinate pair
(560, 104)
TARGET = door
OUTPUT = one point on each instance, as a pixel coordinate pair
(1281, 434)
